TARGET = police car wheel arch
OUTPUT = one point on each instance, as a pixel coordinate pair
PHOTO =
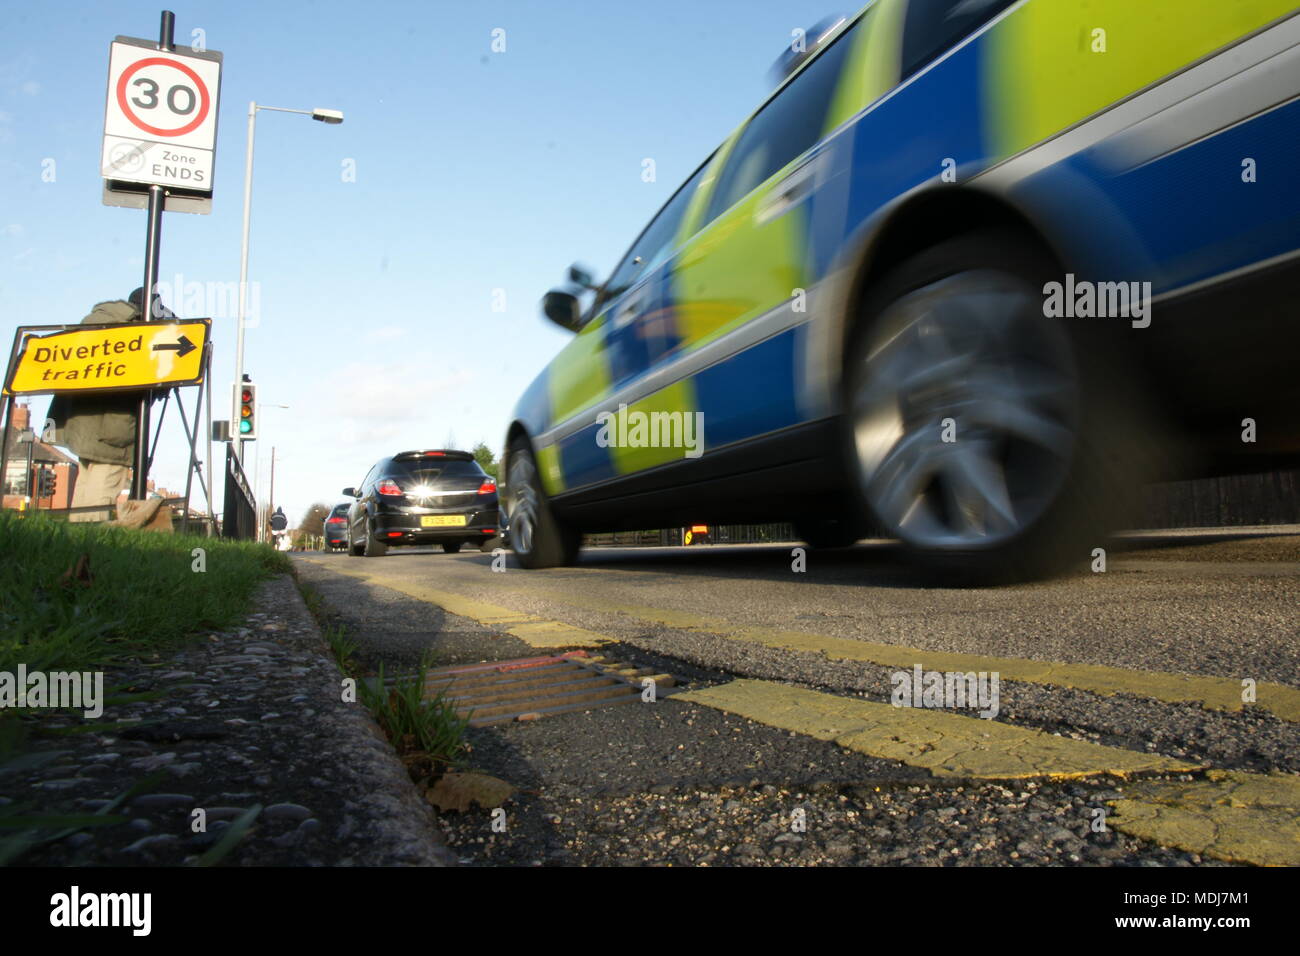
(964, 402)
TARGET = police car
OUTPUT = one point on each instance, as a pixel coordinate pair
(973, 272)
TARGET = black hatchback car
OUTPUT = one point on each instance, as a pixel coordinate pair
(439, 496)
(336, 527)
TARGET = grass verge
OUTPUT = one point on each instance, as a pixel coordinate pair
(82, 596)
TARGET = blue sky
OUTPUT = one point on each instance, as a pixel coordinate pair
(475, 171)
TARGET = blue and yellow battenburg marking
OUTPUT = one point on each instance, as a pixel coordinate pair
(1042, 68)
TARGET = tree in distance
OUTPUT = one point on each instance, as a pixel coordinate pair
(485, 458)
(314, 519)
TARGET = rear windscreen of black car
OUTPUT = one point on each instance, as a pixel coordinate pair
(339, 511)
(429, 470)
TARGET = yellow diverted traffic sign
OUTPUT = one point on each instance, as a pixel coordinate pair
(91, 358)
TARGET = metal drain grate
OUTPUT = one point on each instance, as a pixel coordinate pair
(532, 687)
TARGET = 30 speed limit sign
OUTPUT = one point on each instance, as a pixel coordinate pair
(160, 122)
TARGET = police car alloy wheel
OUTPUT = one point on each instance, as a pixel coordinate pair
(538, 539)
(980, 431)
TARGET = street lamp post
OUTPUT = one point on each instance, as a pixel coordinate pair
(270, 498)
(257, 473)
(332, 117)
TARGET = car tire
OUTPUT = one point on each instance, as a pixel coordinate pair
(373, 547)
(451, 547)
(536, 536)
(352, 547)
(996, 443)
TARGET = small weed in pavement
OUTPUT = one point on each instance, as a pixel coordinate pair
(429, 735)
(343, 648)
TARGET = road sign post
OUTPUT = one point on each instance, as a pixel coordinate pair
(160, 140)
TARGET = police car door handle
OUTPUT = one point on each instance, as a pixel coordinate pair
(629, 308)
(789, 192)
(795, 188)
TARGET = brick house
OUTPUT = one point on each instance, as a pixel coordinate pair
(18, 485)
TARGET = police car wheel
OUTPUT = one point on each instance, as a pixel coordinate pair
(983, 434)
(537, 538)
(451, 547)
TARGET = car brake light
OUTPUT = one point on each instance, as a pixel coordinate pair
(489, 487)
(335, 521)
(388, 487)
(394, 534)
(489, 530)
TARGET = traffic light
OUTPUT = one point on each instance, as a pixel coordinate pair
(247, 401)
(46, 483)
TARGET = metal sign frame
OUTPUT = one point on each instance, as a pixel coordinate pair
(195, 466)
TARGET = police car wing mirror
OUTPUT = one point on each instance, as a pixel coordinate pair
(350, 492)
(563, 309)
(581, 277)
(803, 44)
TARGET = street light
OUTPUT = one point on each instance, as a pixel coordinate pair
(331, 117)
(264, 510)
(257, 471)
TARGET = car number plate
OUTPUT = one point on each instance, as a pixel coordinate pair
(442, 521)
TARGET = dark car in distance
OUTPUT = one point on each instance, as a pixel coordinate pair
(438, 496)
(336, 527)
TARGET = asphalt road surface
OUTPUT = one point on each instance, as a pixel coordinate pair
(1147, 714)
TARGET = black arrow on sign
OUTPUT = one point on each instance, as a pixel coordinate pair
(182, 347)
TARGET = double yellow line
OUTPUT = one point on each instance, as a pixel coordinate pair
(1232, 816)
